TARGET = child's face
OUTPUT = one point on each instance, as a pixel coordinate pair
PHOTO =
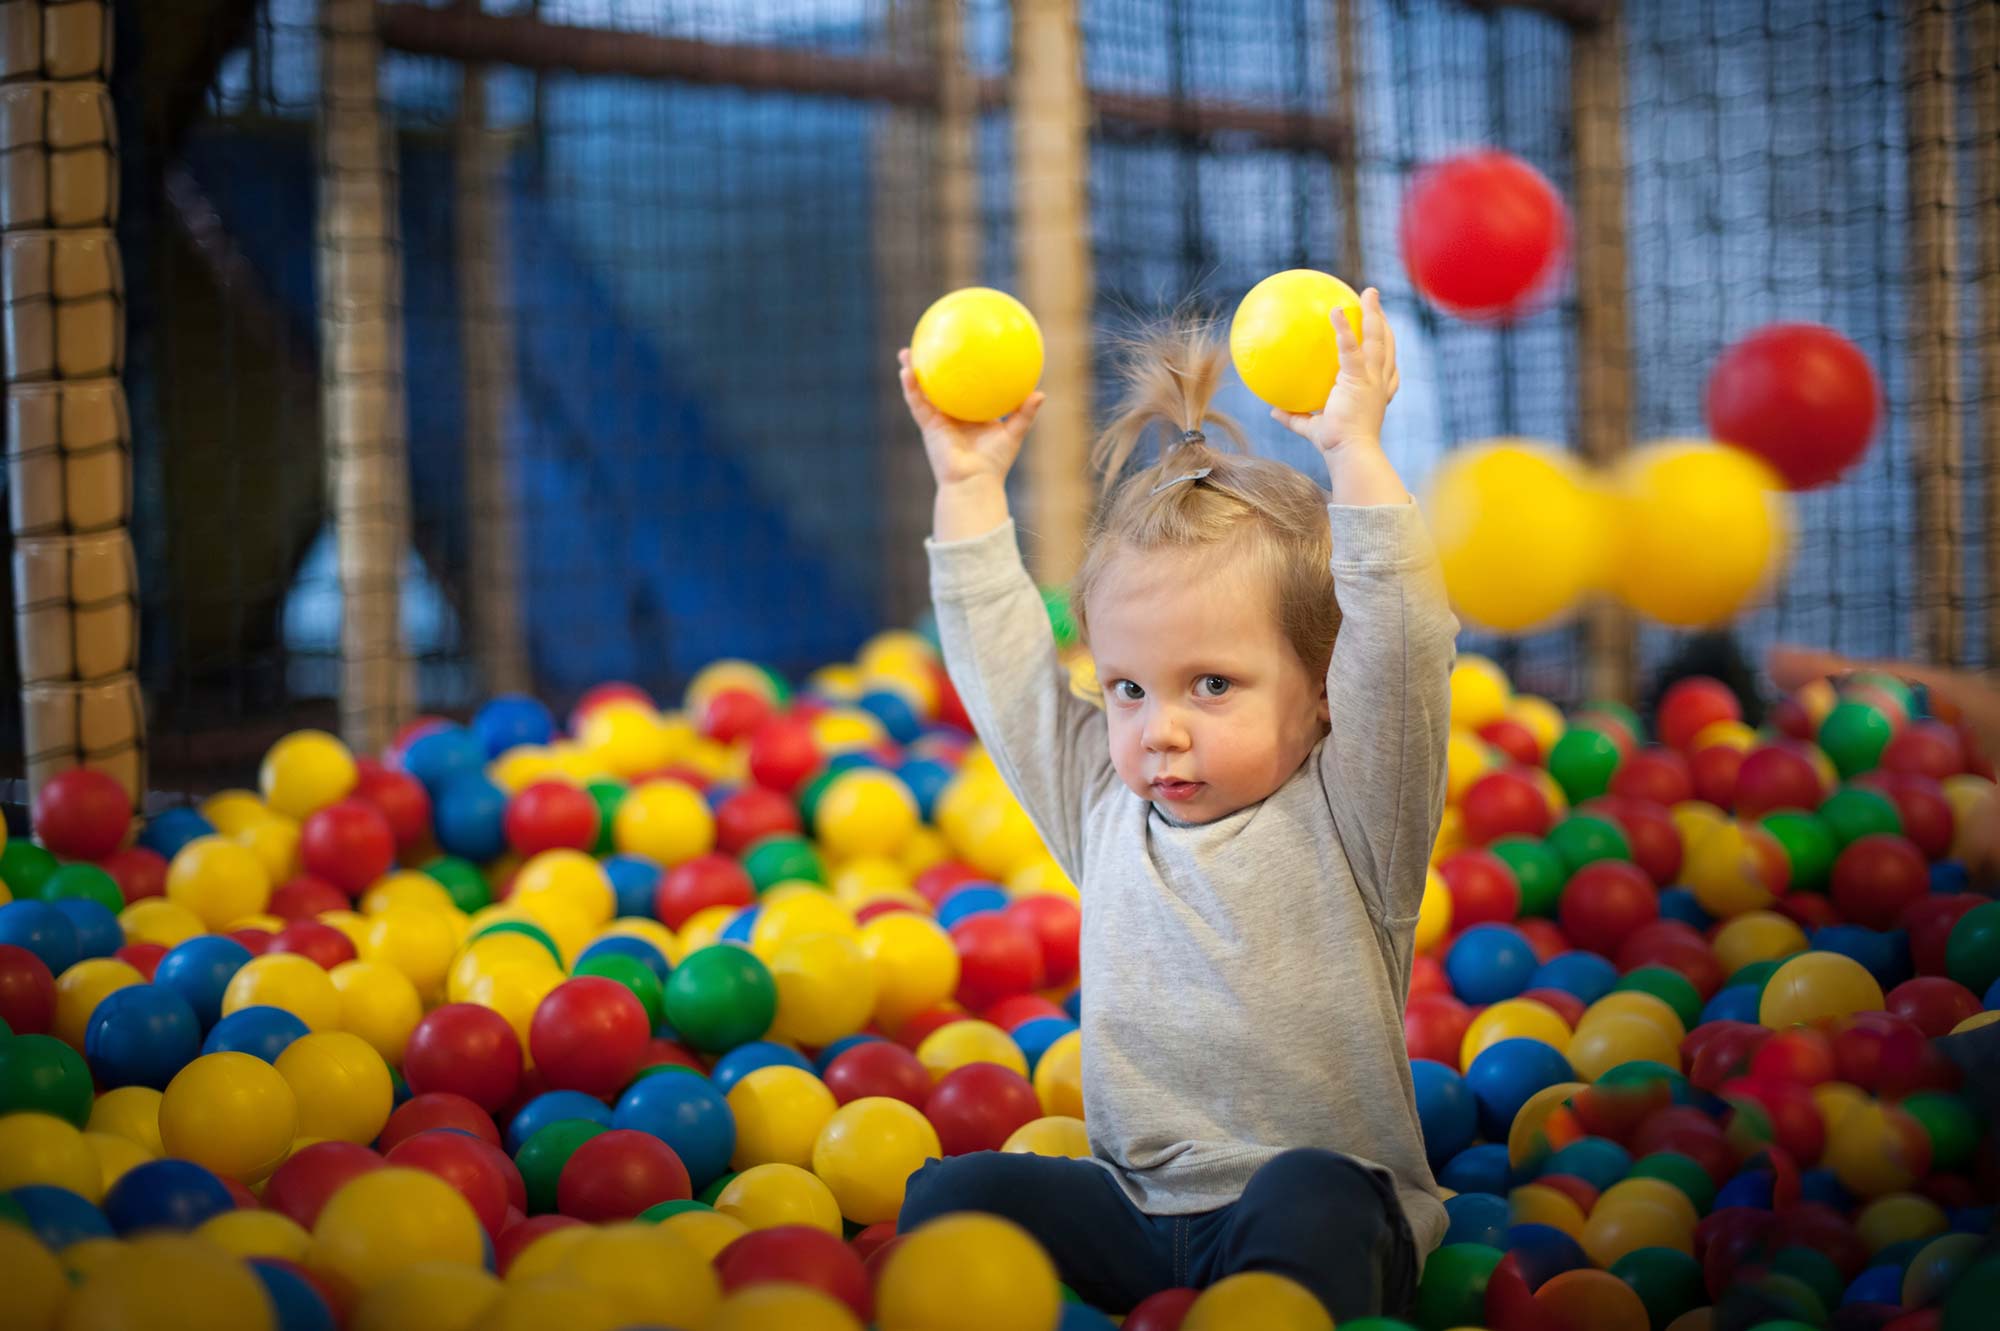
(1210, 710)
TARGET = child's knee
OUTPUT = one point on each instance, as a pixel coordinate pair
(975, 1182)
(1308, 1179)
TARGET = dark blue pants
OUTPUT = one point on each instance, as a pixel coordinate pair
(1315, 1216)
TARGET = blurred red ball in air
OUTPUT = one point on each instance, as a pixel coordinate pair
(1484, 235)
(1800, 396)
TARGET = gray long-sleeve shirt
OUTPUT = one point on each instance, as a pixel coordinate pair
(1244, 979)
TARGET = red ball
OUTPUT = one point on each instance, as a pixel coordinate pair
(468, 1050)
(1566, 1004)
(912, 1032)
(1164, 1311)
(872, 1239)
(1513, 739)
(1545, 938)
(978, 1106)
(1483, 888)
(941, 880)
(1427, 976)
(321, 944)
(348, 843)
(1803, 1055)
(1876, 877)
(696, 884)
(516, 1237)
(1800, 396)
(1434, 1027)
(1925, 748)
(1884, 1054)
(612, 690)
(1677, 946)
(1928, 821)
(1691, 705)
(1649, 829)
(550, 815)
(1930, 922)
(1504, 803)
(752, 814)
(733, 714)
(1690, 1131)
(473, 1168)
(433, 1110)
(877, 1067)
(660, 1052)
(257, 940)
(142, 957)
(1791, 719)
(617, 1174)
(881, 906)
(783, 754)
(1605, 903)
(1777, 776)
(305, 896)
(1057, 925)
(1782, 1113)
(138, 871)
(1933, 1004)
(1715, 769)
(1010, 1013)
(1484, 235)
(1808, 910)
(997, 958)
(1718, 1051)
(81, 814)
(301, 1186)
(1818, 1226)
(588, 1035)
(797, 1255)
(398, 797)
(1654, 773)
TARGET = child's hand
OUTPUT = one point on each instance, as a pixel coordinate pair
(1352, 416)
(965, 450)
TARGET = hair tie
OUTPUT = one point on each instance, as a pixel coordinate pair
(1194, 436)
(1184, 476)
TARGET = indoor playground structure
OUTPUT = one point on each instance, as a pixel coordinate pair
(491, 842)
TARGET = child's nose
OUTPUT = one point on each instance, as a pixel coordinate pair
(1164, 732)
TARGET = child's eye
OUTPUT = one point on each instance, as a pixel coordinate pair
(1212, 686)
(1124, 690)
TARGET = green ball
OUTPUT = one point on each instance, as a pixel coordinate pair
(1667, 1280)
(708, 1194)
(1452, 1292)
(12, 1213)
(1683, 1172)
(781, 692)
(635, 975)
(1951, 1125)
(524, 928)
(1757, 973)
(40, 1074)
(608, 796)
(1647, 1074)
(782, 858)
(84, 882)
(1669, 985)
(1854, 735)
(809, 797)
(1582, 762)
(1584, 838)
(1972, 952)
(1814, 1269)
(721, 997)
(1774, 1299)
(542, 1157)
(1376, 1324)
(1537, 869)
(1061, 618)
(5, 1029)
(1851, 813)
(25, 867)
(462, 881)
(1069, 1295)
(659, 1211)
(1808, 846)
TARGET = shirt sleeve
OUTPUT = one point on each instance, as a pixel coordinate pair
(1389, 697)
(1000, 651)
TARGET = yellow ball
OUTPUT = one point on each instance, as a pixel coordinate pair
(82, 987)
(256, 1234)
(704, 927)
(1814, 985)
(647, 931)
(306, 771)
(1899, 1217)
(779, 1112)
(131, 1112)
(791, 911)
(623, 737)
(1975, 808)
(1059, 1076)
(1262, 1299)
(406, 888)
(550, 1301)
(957, 1043)
(765, 1196)
(1729, 735)
(668, 822)
(717, 676)
(968, 1272)
(230, 811)
(1613, 1231)
(546, 1254)
(1054, 1135)
(1433, 912)
(1754, 936)
(115, 1155)
(1539, 1204)
(1466, 759)
(566, 875)
(289, 981)
(342, 1086)
(864, 878)
(781, 1307)
(1480, 692)
(1520, 532)
(380, 1222)
(914, 963)
(493, 954)
(1636, 1003)
(1654, 1192)
(826, 989)
(1598, 1046)
(1726, 872)
(169, 1282)
(896, 647)
(37, 1286)
(1042, 877)
(1516, 1018)
(867, 1151)
(1541, 717)
(654, 1275)
(865, 812)
(231, 1113)
(976, 354)
(379, 1004)
(218, 881)
(1701, 528)
(430, 1296)
(44, 1149)
(707, 1232)
(846, 730)
(1873, 1149)
(1527, 1137)
(515, 994)
(1282, 341)
(416, 941)
(274, 840)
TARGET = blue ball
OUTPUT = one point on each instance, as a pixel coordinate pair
(1886, 955)
(441, 756)
(926, 778)
(1035, 1035)
(625, 945)
(1083, 1317)
(399, 1089)
(1949, 877)
(1971, 1219)
(199, 970)
(972, 899)
(688, 1113)
(718, 794)
(837, 1048)
(1481, 1168)
(851, 761)
(744, 1059)
(297, 1304)
(98, 933)
(1477, 1217)
(1878, 1284)
(510, 720)
(1991, 999)
(1679, 903)
(1584, 974)
(554, 1107)
(264, 1032)
(1598, 1161)
(1735, 1002)
(739, 926)
(470, 817)
(634, 880)
(1488, 963)
(59, 1217)
(1822, 1185)
(1074, 1004)
(893, 710)
(141, 1035)
(1506, 1074)
(1446, 1109)
(43, 930)
(1751, 1188)
(165, 1194)
(1543, 1251)
(170, 829)
(1900, 1255)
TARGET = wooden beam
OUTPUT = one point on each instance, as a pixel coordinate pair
(531, 43)
(1982, 50)
(1347, 172)
(1578, 13)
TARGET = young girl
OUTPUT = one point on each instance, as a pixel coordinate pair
(1249, 815)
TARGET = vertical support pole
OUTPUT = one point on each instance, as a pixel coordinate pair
(1982, 50)
(69, 438)
(360, 272)
(1052, 238)
(1347, 168)
(1603, 321)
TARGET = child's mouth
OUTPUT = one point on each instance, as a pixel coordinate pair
(1176, 791)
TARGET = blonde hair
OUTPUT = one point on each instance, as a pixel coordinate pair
(1256, 507)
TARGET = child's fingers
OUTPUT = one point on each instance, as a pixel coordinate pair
(1343, 334)
(1294, 421)
(913, 397)
(1024, 416)
(903, 356)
